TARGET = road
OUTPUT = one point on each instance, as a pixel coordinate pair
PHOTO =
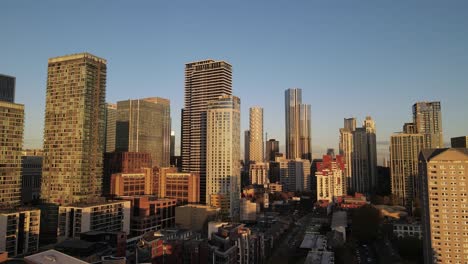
(287, 251)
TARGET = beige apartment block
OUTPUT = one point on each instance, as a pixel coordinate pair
(19, 231)
(223, 151)
(74, 129)
(444, 193)
(11, 142)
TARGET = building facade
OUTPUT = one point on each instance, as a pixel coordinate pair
(331, 182)
(364, 158)
(248, 210)
(295, 174)
(246, 148)
(346, 147)
(459, 142)
(31, 174)
(195, 216)
(19, 231)
(74, 129)
(443, 174)
(272, 148)
(7, 88)
(204, 81)
(259, 173)
(404, 154)
(256, 134)
(150, 213)
(133, 183)
(11, 142)
(298, 127)
(111, 123)
(113, 216)
(172, 148)
(402, 230)
(223, 151)
(122, 162)
(144, 125)
(427, 118)
(184, 187)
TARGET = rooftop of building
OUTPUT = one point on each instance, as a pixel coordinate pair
(314, 242)
(395, 212)
(199, 206)
(15, 210)
(76, 244)
(4, 75)
(94, 204)
(328, 160)
(52, 257)
(12, 105)
(320, 257)
(231, 226)
(339, 219)
(76, 56)
(150, 198)
(167, 234)
(430, 154)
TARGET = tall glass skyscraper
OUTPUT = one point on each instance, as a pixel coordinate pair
(298, 127)
(144, 125)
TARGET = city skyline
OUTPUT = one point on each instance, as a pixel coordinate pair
(234, 132)
(384, 60)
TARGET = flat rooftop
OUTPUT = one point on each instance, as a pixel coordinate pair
(339, 219)
(52, 257)
(314, 241)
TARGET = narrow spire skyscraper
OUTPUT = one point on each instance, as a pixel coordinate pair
(256, 135)
(298, 128)
(347, 148)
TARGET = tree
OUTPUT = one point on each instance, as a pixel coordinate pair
(366, 222)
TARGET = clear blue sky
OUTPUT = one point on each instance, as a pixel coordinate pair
(351, 58)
